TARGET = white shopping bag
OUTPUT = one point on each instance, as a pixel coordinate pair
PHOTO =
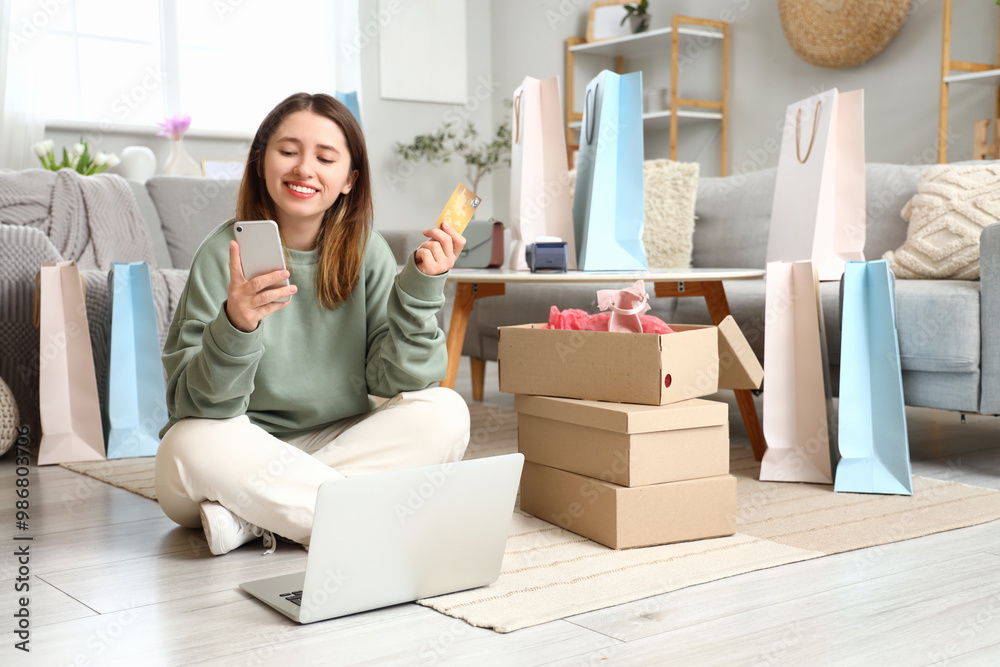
(540, 204)
(818, 211)
(797, 394)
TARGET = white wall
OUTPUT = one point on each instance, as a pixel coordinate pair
(510, 39)
(412, 196)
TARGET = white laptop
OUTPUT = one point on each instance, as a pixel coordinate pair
(394, 537)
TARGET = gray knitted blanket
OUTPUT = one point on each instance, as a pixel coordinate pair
(53, 216)
(92, 220)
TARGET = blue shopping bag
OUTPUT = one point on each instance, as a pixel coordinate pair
(608, 206)
(136, 406)
(350, 100)
(874, 450)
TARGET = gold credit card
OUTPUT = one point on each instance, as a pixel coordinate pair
(459, 209)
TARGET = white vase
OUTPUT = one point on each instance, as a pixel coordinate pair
(638, 23)
(179, 163)
(138, 164)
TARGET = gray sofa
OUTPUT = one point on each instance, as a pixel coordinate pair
(948, 329)
(178, 211)
(948, 341)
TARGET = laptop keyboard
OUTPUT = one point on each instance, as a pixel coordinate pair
(294, 597)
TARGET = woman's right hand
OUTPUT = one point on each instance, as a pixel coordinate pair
(249, 300)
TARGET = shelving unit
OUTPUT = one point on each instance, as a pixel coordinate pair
(651, 42)
(975, 73)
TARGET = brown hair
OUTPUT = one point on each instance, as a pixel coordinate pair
(346, 225)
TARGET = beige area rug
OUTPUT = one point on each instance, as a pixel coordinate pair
(135, 475)
(549, 573)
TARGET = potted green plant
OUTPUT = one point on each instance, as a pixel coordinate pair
(481, 158)
(638, 16)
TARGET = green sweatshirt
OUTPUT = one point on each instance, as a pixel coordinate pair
(305, 366)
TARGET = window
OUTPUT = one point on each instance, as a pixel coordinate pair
(125, 64)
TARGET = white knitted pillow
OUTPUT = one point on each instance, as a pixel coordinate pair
(8, 418)
(946, 217)
(670, 189)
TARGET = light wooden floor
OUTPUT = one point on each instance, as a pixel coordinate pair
(114, 582)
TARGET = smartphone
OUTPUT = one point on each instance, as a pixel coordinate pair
(260, 250)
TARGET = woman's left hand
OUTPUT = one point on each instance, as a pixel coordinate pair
(438, 253)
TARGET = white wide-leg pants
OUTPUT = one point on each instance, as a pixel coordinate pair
(272, 483)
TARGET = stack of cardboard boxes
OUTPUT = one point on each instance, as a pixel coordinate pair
(618, 446)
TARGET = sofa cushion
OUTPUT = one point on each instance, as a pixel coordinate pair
(888, 187)
(403, 242)
(953, 204)
(938, 323)
(723, 204)
(190, 208)
(152, 218)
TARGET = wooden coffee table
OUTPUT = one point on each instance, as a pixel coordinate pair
(472, 284)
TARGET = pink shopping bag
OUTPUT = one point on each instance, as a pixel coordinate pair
(797, 394)
(69, 406)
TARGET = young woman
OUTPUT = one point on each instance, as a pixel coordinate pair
(269, 399)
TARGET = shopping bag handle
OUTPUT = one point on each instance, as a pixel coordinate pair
(798, 115)
(517, 117)
(591, 114)
(36, 314)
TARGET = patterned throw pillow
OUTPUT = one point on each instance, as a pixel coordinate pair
(946, 217)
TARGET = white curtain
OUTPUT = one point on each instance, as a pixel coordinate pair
(21, 126)
(347, 44)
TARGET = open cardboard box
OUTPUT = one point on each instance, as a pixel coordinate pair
(621, 517)
(649, 369)
(623, 443)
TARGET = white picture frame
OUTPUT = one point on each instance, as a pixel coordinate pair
(423, 51)
(604, 20)
(223, 170)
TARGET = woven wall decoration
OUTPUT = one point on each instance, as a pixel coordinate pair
(840, 33)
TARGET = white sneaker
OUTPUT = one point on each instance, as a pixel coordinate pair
(225, 531)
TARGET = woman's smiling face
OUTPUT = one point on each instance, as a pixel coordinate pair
(306, 167)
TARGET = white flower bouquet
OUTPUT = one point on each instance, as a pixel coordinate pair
(77, 158)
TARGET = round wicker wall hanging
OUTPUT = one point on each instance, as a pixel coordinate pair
(840, 33)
